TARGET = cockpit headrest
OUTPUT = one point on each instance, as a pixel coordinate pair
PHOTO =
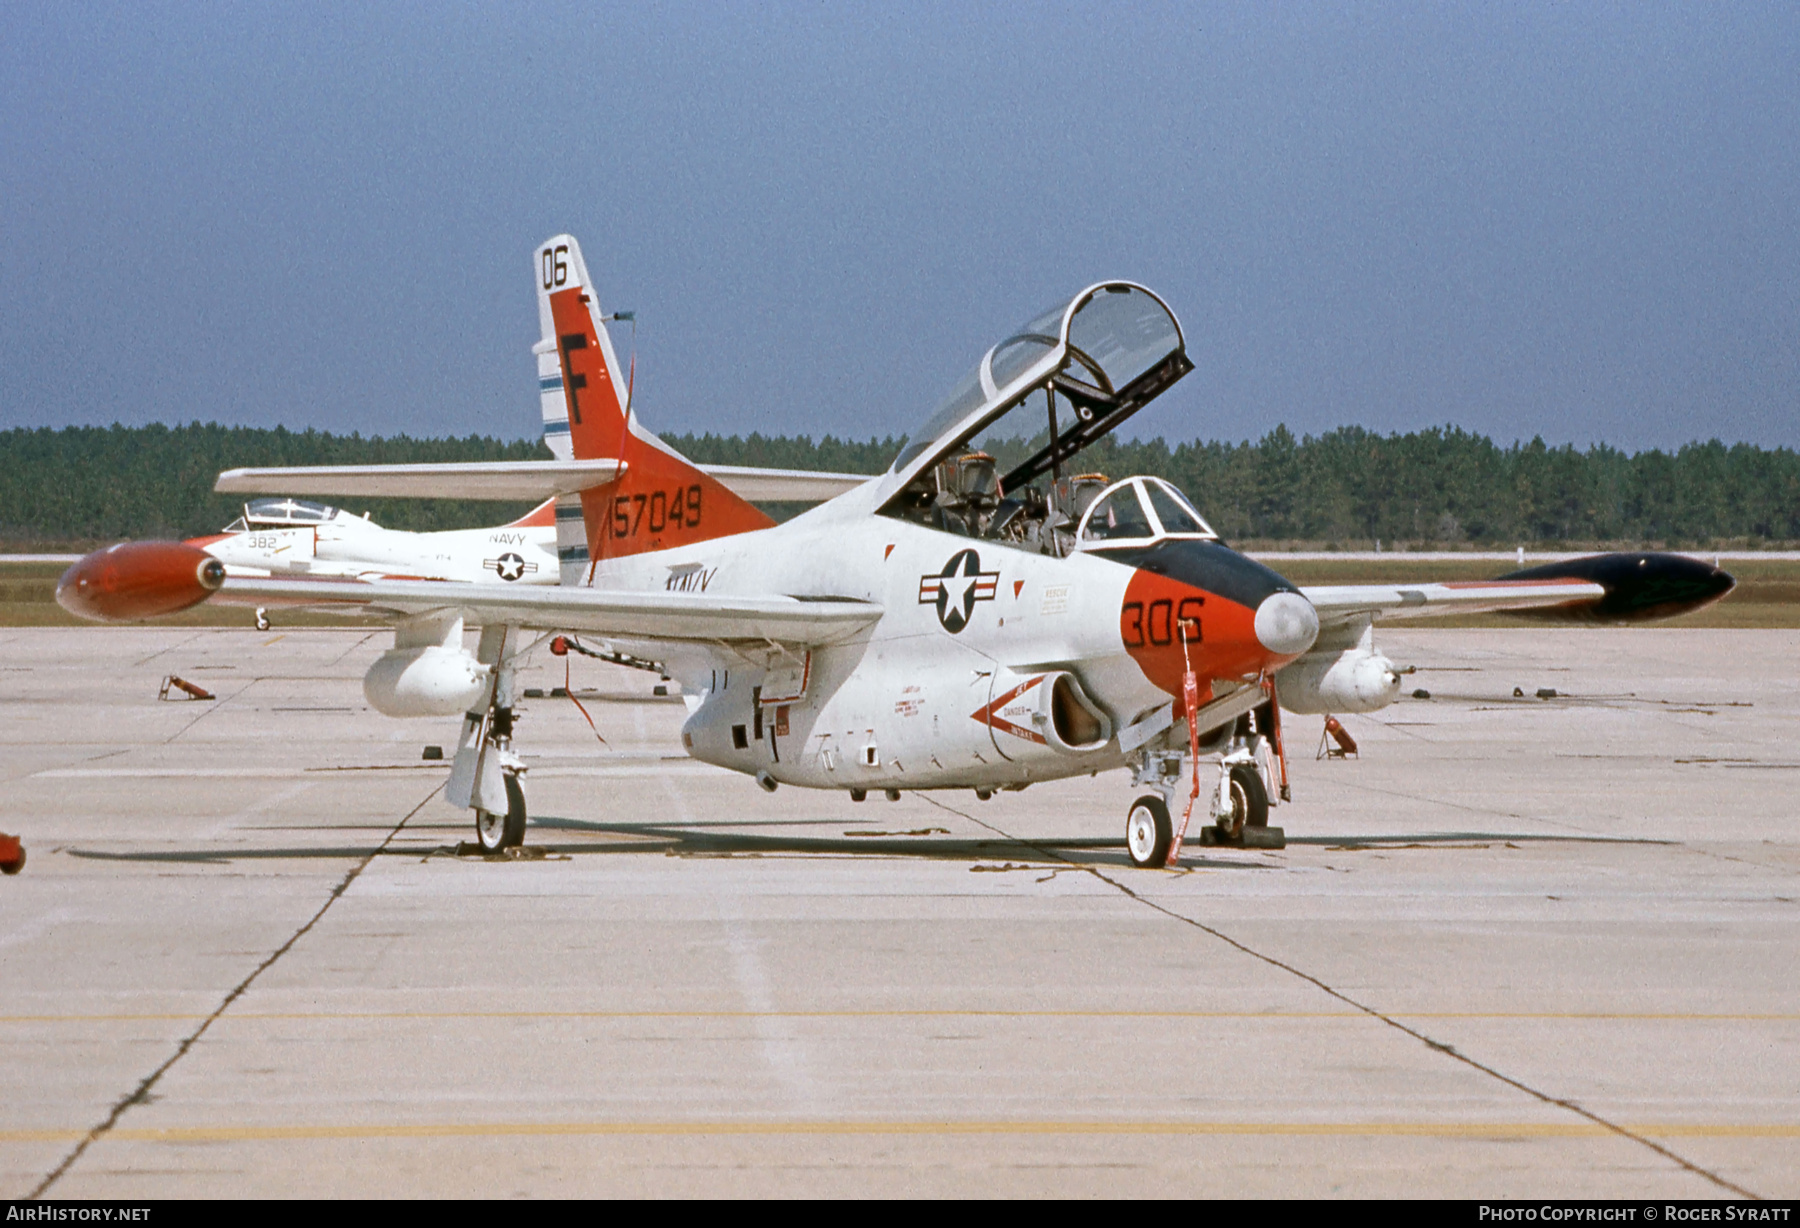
(969, 475)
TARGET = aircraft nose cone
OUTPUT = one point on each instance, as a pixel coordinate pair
(1286, 624)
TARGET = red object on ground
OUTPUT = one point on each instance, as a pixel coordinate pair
(138, 580)
(1340, 735)
(12, 854)
(182, 684)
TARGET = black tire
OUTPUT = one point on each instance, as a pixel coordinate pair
(498, 832)
(1148, 832)
(1249, 802)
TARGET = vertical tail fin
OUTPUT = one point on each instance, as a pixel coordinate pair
(540, 517)
(660, 500)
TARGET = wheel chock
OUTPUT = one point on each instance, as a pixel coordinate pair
(172, 683)
(517, 852)
(1252, 838)
(12, 854)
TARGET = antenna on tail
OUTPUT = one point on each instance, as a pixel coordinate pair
(631, 371)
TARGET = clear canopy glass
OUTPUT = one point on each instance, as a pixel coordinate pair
(287, 512)
(1141, 510)
(1103, 355)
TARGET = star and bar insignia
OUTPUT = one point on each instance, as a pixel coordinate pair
(956, 589)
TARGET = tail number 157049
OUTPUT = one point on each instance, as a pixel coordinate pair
(656, 512)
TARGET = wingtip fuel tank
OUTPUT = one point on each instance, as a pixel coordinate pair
(138, 580)
(1641, 586)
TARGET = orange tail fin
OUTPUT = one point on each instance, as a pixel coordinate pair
(540, 517)
(660, 500)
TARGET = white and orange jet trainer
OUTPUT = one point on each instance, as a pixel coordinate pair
(984, 615)
(300, 537)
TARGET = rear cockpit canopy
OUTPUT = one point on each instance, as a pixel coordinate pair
(1094, 361)
(1037, 399)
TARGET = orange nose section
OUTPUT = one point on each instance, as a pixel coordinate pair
(139, 580)
(1159, 613)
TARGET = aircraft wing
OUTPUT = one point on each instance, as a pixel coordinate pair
(653, 616)
(1627, 587)
(513, 480)
(1342, 603)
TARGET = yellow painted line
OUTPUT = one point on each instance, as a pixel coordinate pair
(1368, 1129)
(916, 1014)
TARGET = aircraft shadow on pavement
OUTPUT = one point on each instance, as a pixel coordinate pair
(931, 844)
(1463, 838)
(695, 840)
(928, 843)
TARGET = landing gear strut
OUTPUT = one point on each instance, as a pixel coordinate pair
(485, 776)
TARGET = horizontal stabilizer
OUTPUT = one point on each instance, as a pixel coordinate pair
(782, 485)
(496, 480)
(492, 480)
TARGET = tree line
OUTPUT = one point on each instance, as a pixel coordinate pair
(1443, 486)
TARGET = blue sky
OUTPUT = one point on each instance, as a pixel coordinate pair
(1575, 221)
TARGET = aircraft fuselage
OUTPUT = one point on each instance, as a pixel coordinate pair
(990, 666)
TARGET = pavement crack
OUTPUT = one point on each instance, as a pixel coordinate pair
(359, 643)
(141, 1094)
(1430, 1042)
(160, 652)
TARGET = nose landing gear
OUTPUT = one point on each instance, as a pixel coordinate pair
(1148, 831)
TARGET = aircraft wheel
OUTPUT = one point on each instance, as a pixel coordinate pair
(1249, 802)
(497, 832)
(1148, 832)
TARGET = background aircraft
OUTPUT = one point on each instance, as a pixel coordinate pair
(984, 615)
(291, 536)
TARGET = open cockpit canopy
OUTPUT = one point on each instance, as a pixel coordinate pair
(1059, 383)
(1086, 366)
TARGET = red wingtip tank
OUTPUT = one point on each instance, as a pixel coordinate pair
(138, 580)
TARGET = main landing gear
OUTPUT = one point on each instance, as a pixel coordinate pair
(486, 776)
(1245, 802)
(498, 832)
